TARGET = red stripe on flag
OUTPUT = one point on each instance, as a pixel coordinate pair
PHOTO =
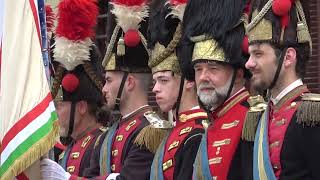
(36, 19)
(22, 176)
(25, 120)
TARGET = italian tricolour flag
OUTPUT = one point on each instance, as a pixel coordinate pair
(28, 121)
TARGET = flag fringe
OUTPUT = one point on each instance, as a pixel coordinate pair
(39, 149)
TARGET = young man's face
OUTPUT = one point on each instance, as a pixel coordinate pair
(262, 64)
(213, 82)
(166, 88)
(111, 87)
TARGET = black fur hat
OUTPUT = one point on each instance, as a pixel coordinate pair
(213, 30)
(164, 34)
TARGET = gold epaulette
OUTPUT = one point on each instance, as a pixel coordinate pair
(308, 112)
(152, 135)
(156, 122)
(257, 107)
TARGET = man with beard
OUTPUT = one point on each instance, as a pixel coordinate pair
(76, 90)
(214, 54)
(174, 93)
(287, 141)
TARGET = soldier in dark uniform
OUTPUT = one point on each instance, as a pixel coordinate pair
(77, 92)
(174, 93)
(287, 138)
(211, 48)
(129, 146)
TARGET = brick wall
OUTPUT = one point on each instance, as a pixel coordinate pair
(313, 68)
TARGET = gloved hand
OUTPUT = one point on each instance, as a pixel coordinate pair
(51, 170)
(113, 176)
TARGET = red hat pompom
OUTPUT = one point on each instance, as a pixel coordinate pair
(70, 82)
(245, 45)
(281, 7)
(132, 38)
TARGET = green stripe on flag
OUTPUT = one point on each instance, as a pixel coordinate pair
(28, 143)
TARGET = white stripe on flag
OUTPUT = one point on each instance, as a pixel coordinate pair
(1, 17)
(27, 132)
(23, 80)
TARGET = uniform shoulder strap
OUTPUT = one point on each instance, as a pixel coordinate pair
(257, 107)
(152, 135)
(309, 110)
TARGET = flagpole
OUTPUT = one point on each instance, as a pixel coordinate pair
(44, 38)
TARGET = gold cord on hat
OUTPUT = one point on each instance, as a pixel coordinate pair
(303, 34)
(110, 46)
(261, 14)
(168, 50)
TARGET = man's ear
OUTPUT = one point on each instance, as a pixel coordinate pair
(239, 75)
(189, 84)
(131, 82)
(290, 59)
(82, 107)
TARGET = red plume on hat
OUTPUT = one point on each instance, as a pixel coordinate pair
(50, 17)
(76, 21)
(129, 14)
(177, 8)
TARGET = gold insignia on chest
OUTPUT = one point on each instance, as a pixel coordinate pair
(276, 167)
(173, 145)
(280, 122)
(293, 104)
(71, 169)
(275, 144)
(183, 117)
(132, 123)
(166, 165)
(75, 155)
(85, 141)
(119, 138)
(113, 167)
(205, 123)
(215, 160)
(221, 143)
(114, 152)
(230, 125)
(185, 130)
